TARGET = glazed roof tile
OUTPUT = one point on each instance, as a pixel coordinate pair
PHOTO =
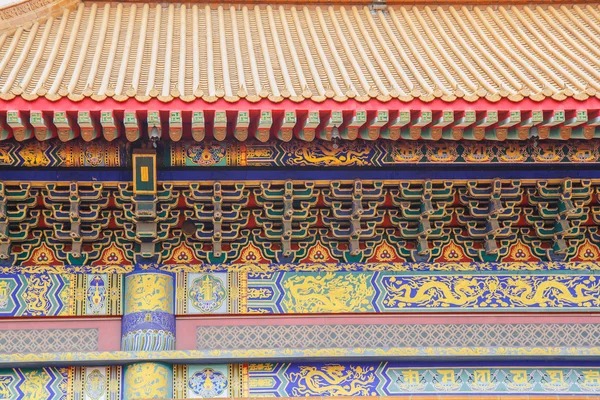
(147, 50)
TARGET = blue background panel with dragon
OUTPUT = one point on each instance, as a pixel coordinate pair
(34, 384)
(39, 295)
(388, 379)
(340, 292)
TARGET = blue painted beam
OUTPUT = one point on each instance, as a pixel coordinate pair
(417, 172)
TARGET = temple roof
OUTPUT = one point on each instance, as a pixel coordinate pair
(125, 50)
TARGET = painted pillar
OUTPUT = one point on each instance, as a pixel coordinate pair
(148, 325)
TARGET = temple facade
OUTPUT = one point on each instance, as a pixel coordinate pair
(290, 199)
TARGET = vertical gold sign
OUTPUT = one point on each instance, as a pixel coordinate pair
(144, 172)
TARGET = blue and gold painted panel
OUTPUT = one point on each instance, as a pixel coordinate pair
(338, 292)
(34, 384)
(60, 295)
(388, 379)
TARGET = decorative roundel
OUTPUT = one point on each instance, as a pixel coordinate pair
(208, 383)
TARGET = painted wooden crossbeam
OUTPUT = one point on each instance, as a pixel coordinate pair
(110, 125)
(288, 122)
(353, 122)
(43, 129)
(366, 124)
(306, 129)
(376, 120)
(20, 127)
(240, 125)
(90, 129)
(6, 131)
(478, 130)
(398, 120)
(154, 122)
(334, 119)
(198, 126)
(132, 126)
(220, 125)
(175, 125)
(575, 118)
(263, 131)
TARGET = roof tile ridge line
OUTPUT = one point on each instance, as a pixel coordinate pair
(83, 50)
(195, 51)
(342, 39)
(60, 74)
(382, 65)
(150, 90)
(411, 47)
(292, 49)
(481, 82)
(538, 50)
(55, 48)
(126, 51)
(536, 61)
(472, 85)
(3, 38)
(112, 53)
(428, 51)
(265, 51)
(182, 49)
(332, 81)
(280, 56)
(592, 11)
(574, 32)
(524, 81)
(89, 86)
(166, 89)
(363, 54)
(493, 63)
(11, 48)
(242, 89)
(305, 49)
(388, 52)
(38, 54)
(137, 69)
(545, 43)
(350, 89)
(224, 54)
(586, 30)
(21, 60)
(249, 42)
(478, 61)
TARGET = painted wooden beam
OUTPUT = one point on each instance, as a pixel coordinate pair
(67, 128)
(241, 124)
(132, 126)
(398, 120)
(306, 129)
(335, 119)
(220, 125)
(263, 131)
(375, 122)
(110, 126)
(575, 118)
(154, 122)
(175, 125)
(286, 131)
(198, 125)
(21, 128)
(43, 129)
(90, 129)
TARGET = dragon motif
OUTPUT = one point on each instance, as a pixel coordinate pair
(33, 387)
(36, 295)
(462, 292)
(325, 154)
(550, 292)
(346, 292)
(333, 380)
